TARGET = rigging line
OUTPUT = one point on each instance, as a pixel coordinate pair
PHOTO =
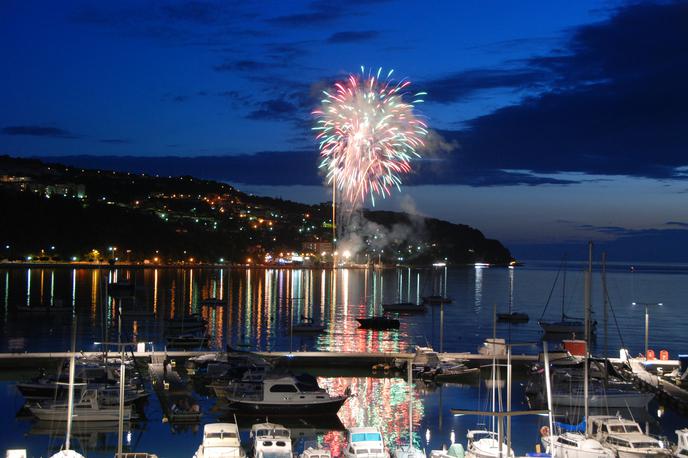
(551, 291)
(618, 329)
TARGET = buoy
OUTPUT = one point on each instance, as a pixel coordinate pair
(544, 431)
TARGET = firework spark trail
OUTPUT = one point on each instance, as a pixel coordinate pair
(368, 134)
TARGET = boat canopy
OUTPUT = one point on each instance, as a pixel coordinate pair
(579, 428)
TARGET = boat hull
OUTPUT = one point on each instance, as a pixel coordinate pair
(320, 408)
(87, 416)
(379, 324)
(631, 399)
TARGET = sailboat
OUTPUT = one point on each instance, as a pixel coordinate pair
(67, 451)
(574, 443)
(409, 450)
(567, 325)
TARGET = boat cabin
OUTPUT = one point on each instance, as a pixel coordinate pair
(271, 440)
(220, 439)
(365, 442)
(625, 435)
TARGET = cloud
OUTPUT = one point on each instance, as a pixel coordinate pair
(352, 36)
(460, 86)
(115, 141)
(38, 131)
(246, 65)
(274, 109)
(677, 223)
(613, 102)
(323, 12)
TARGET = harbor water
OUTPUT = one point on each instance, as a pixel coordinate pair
(256, 307)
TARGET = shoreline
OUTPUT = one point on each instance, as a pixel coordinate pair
(210, 265)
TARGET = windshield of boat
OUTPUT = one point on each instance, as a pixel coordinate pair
(625, 428)
(272, 433)
(279, 454)
(366, 437)
(220, 435)
(645, 444)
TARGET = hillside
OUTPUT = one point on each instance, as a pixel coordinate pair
(57, 212)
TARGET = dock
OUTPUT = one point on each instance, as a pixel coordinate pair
(176, 400)
(299, 358)
(664, 388)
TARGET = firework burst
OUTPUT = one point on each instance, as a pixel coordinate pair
(368, 134)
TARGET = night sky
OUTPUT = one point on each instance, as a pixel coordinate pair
(553, 121)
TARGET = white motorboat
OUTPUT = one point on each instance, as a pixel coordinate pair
(485, 444)
(311, 452)
(625, 438)
(220, 440)
(365, 442)
(87, 408)
(681, 449)
(575, 445)
(283, 395)
(270, 440)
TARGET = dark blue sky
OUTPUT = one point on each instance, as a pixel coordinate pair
(554, 121)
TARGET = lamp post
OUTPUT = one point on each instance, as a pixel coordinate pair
(647, 319)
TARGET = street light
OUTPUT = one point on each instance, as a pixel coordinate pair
(647, 320)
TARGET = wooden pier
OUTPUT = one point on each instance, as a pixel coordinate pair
(176, 400)
(665, 390)
(300, 358)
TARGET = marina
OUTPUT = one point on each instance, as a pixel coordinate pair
(182, 401)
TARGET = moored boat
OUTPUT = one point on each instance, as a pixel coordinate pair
(378, 322)
(283, 395)
(307, 326)
(87, 408)
(513, 317)
(270, 440)
(404, 307)
(437, 299)
(625, 438)
(365, 442)
(220, 440)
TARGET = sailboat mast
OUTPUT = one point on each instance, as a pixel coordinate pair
(409, 375)
(70, 395)
(588, 294)
(588, 300)
(122, 369)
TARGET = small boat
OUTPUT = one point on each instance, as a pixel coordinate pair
(121, 289)
(365, 441)
(567, 326)
(92, 374)
(188, 341)
(681, 449)
(455, 451)
(307, 326)
(513, 317)
(485, 444)
(437, 299)
(575, 445)
(44, 308)
(212, 302)
(87, 408)
(311, 452)
(270, 440)
(404, 307)
(220, 440)
(187, 323)
(283, 395)
(447, 373)
(625, 438)
(378, 322)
